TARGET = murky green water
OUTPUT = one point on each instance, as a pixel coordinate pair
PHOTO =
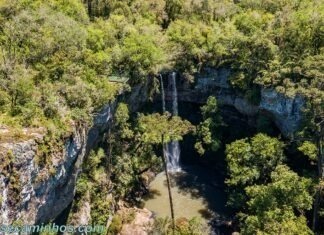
(195, 194)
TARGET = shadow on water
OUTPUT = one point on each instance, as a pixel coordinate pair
(198, 183)
(206, 214)
(194, 190)
(153, 194)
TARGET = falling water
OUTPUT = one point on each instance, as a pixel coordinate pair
(162, 94)
(174, 95)
(173, 148)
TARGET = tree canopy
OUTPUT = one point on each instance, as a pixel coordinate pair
(155, 126)
(271, 206)
(55, 43)
(252, 160)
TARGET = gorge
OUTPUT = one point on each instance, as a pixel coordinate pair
(58, 190)
(124, 113)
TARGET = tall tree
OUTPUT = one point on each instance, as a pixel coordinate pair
(161, 129)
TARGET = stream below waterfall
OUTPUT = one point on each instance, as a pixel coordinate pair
(195, 192)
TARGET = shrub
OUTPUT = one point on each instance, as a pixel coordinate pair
(116, 225)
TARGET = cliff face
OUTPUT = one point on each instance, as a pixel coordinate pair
(25, 198)
(284, 111)
(287, 112)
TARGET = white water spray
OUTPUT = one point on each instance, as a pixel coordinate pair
(173, 148)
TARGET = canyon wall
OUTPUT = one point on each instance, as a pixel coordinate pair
(284, 111)
(31, 194)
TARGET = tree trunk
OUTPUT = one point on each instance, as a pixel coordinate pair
(169, 186)
(90, 9)
(316, 209)
(109, 152)
(320, 162)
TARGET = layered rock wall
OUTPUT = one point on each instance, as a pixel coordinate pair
(286, 112)
(28, 200)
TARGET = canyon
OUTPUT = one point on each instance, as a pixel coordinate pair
(42, 201)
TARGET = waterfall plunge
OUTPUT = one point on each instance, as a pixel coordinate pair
(172, 149)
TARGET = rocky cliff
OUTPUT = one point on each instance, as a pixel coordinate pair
(285, 112)
(24, 197)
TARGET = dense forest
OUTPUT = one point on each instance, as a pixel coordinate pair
(62, 61)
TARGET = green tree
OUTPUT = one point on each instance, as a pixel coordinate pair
(251, 161)
(271, 206)
(45, 66)
(196, 44)
(309, 149)
(208, 133)
(127, 155)
(141, 53)
(119, 157)
(153, 10)
(92, 187)
(173, 9)
(161, 129)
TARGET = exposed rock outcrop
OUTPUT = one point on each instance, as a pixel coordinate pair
(286, 111)
(29, 200)
(140, 225)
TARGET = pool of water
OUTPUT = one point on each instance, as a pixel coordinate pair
(196, 193)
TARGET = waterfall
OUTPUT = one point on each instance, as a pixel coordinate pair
(172, 149)
(162, 94)
(174, 95)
